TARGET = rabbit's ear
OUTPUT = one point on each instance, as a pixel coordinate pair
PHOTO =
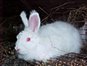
(24, 19)
(34, 21)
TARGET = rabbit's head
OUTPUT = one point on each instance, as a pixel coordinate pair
(28, 38)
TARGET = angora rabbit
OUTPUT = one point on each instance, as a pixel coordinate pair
(46, 42)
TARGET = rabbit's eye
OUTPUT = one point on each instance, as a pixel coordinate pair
(28, 39)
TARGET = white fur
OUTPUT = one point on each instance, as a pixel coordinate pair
(24, 19)
(32, 13)
(50, 41)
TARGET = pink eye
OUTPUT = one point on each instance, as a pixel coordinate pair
(28, 39)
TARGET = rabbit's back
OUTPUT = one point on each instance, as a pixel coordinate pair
(63, 36)
(57, 28)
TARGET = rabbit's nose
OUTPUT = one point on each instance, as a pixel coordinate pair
(17, 50)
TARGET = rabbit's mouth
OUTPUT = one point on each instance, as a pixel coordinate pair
(21, 53)
(17, 50)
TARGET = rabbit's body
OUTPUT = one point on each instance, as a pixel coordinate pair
(50, 41)
(68, 40)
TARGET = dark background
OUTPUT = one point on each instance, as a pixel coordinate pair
(14, 7)
(11, 23)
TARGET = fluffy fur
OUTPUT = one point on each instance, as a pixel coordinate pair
(48, 41)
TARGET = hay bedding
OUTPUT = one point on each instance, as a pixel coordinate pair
(9, 58)
(76, 16)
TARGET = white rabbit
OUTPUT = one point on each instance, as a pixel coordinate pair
(46, 42)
